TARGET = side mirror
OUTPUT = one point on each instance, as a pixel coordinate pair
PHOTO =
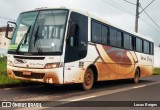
(9, 29)
(73, 34)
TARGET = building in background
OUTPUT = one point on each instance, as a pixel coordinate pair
(21, 32)
(4, 42)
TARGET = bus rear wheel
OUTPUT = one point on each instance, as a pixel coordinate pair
(88, 79)
(136, 76)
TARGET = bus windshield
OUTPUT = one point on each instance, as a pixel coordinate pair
(39, 32)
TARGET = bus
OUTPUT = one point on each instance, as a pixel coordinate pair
(68, 46)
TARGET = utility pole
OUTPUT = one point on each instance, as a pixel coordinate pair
(137, 16)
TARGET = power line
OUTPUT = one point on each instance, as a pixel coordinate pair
(120, 7)
(153, 27)
(129, 2)
(129, 12)
(150, 18)
(125, 9)
(145, 11)
(6, 18)
(147, 6)
(137, 14)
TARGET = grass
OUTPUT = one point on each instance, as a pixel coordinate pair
(4, 80)
(3, 65)
(156, 71)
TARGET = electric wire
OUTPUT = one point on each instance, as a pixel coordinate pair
(150, 25)
(124, 10)
(150, 18)
(6, 18)
(129, 12)
(129, 2)
(146, 6)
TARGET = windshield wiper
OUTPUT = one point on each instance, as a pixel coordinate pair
(36, 42)
(24, 38)
(36, 35)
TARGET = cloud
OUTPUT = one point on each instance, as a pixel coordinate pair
(122, 20)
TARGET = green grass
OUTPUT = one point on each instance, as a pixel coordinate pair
(4, 80)
(156, 71)
(3, 64)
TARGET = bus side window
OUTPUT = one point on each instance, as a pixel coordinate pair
(112, 37)
(104, 34)
(138, 45)
(127, 41)
(146, 47)
(151, 48)
(73, 34)
(96, 32)
(119, 39)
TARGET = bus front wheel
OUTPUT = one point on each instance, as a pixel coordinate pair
(88, 79)
(136, 76)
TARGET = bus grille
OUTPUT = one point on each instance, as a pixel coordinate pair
(33, 75)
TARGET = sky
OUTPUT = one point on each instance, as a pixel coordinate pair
(118, 12)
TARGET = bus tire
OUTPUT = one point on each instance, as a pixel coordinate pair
(88, 79)
(136, 76)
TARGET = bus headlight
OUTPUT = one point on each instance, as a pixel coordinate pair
(51, 65)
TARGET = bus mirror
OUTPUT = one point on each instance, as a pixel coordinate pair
(8, 29)
(73, 34)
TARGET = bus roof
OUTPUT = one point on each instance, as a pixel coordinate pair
(98, 18)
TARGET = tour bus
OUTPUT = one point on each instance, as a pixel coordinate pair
(68, 46)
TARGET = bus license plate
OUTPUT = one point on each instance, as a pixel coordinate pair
(26, 73)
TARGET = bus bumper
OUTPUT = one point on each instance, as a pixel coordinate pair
(53, 76)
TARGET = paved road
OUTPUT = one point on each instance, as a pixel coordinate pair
(121, 90)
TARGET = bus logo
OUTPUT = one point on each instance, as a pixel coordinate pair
(6, 104)
(19, 61)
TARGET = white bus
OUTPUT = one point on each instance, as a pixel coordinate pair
(66, 46)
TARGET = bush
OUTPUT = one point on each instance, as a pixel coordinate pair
(156, 71)
(4, 80)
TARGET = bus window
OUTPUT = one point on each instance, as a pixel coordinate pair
(112, 37)
(146, 47)
(96, 32)
(127, 41)
(104, 34)
(119, 39)
(138, 45)
(151, 48)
